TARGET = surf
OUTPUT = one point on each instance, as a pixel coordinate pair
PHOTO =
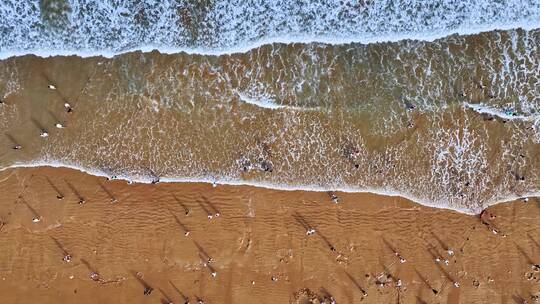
(90, 28)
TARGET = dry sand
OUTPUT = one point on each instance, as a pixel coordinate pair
(259, 235)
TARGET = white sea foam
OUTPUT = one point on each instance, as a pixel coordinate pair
(504, 114)
(107, 28)
(260, 101)
(273, 186)
(266, 102)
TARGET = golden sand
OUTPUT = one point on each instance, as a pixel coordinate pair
(365, 249)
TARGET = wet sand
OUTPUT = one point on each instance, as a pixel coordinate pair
(260, 234)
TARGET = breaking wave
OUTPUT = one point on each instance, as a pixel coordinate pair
(108, 27)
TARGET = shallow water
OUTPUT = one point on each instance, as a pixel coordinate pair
(451, 123)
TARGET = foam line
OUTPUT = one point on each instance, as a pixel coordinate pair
(272, 186)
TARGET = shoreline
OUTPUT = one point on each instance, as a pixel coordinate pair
(245, 47)
(268, 186)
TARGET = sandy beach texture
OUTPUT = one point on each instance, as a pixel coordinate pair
(252, 152)
(69, 237)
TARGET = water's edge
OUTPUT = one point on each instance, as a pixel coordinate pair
(271, 186)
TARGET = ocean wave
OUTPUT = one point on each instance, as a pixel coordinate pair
(107, 28)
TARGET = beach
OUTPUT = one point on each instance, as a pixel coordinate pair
(255, 151)
(127, 237)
